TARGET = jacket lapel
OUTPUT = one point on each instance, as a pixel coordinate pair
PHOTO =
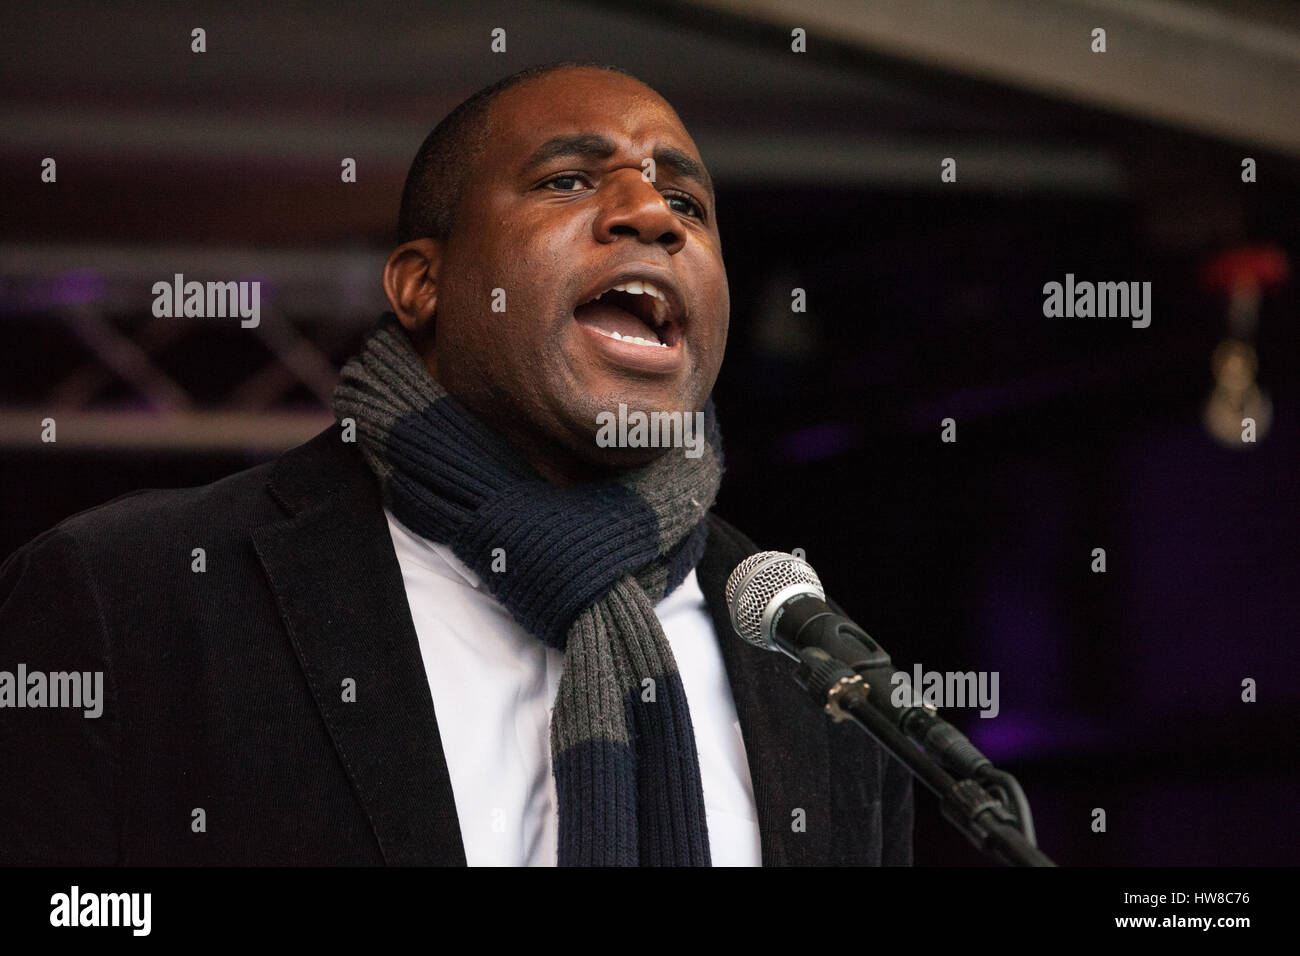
(785, 733)
(339, 589)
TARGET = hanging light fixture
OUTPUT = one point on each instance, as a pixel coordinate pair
(1238, 412)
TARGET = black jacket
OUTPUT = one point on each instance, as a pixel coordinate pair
(223, 691)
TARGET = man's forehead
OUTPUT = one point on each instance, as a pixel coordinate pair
(573, 102)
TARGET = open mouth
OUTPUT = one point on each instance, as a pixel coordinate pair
(635, 312)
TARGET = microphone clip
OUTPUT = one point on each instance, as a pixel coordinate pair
(828, 679)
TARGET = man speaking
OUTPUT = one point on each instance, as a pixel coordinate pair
(462, 625)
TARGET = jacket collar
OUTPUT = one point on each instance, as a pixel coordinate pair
(339, 589)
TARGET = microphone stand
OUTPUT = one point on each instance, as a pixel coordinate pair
(992, 827)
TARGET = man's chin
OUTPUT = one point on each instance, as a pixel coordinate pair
(628, 432)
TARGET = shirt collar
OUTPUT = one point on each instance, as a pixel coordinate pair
(433, 555)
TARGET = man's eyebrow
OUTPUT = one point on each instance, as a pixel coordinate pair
(596, 146)
(579, 145)
(681, 163)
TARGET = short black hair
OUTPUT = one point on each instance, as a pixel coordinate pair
(440, 169)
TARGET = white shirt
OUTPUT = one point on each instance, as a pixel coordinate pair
(494, 685)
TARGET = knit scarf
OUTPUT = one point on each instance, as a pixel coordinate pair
(580, 568)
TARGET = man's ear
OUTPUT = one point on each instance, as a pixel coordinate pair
(411, 284)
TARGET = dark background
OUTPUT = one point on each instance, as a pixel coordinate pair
(1119, 690)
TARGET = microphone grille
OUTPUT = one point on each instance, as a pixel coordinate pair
(756, 581)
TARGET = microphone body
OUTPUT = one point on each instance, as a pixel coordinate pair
(805, 620)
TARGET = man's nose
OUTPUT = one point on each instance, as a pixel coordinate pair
(633, 206)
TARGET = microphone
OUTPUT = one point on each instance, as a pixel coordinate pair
(777, 602)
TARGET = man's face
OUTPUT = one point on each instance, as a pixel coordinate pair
(556, 212)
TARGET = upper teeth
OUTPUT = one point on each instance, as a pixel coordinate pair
(643, 287)
(639, 286)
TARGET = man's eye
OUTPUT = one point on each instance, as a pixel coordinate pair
(692, 207)
(567, 178)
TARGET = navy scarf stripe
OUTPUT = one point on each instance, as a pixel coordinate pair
(532, 526)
